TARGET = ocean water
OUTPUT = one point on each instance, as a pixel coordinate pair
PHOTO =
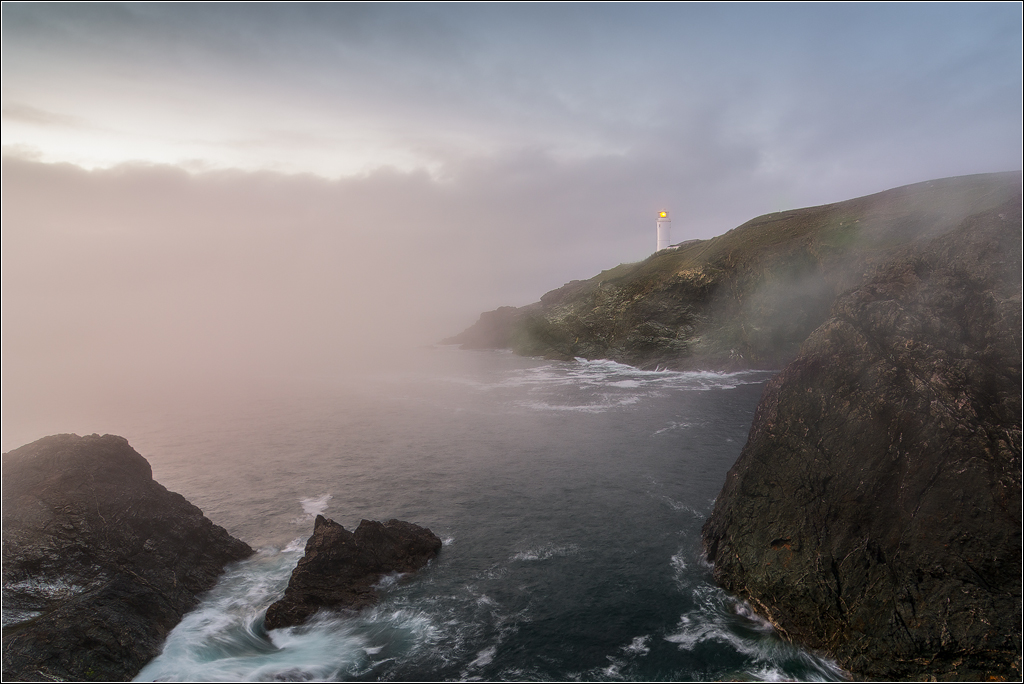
(569, 497)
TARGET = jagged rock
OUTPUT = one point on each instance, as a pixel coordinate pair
(492, 331)
(340, 567)
(875, 511)
(100, 561)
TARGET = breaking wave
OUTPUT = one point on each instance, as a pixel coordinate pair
(721, 622)
(599, 386)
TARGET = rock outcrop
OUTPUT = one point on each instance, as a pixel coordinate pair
(340, 568)
(875, 511)
(492, 331)
(100, 561)
(745, 299)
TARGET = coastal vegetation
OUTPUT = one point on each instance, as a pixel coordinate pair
(745, 299)
(875, 511)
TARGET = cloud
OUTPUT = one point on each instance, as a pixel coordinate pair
(22, 113)
(276, 189)
(339, 89)
(148, 271)
(254, 270)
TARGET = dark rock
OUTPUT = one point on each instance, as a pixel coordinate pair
(492, 331)
(340, 567)
(100, 561)
(875, 511)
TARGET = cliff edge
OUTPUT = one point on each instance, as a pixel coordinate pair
(100, 561)
(745, 299)
(875, 511)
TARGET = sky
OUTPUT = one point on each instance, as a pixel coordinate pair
(228, 190)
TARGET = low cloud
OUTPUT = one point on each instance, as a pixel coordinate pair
(22, 113)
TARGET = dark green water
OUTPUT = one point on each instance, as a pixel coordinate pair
(569, 496)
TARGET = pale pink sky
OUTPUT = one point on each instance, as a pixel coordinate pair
(216, 190)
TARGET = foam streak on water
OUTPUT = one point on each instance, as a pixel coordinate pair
(569, 497)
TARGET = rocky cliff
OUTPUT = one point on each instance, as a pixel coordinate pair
(745, 299)
(875, 511)
(100, 561)
(340, 568)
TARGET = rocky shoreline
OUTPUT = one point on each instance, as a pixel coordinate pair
(100, 561)
(875, 511)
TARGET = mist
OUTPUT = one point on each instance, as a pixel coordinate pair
(149, 284)
(207, 199)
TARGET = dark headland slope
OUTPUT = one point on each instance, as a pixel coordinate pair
(100, 561)
(875, 510)
(745, 299)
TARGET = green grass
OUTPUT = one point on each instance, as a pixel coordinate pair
(755, 291)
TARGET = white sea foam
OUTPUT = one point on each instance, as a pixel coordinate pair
(674, 426)
(710, 621)
(546, 552)
(316, 505)
(224, 640)
(680, 506)
(494, 572)
(388, 580)
(637, 648)
(613, 671)
(484, 657)
(640, 646)
(601, 405)
(747, 613)
(722, 619)
(297, 544)
(604, 385)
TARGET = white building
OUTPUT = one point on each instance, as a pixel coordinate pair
(664, 230)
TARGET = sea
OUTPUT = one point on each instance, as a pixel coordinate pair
(569, 497)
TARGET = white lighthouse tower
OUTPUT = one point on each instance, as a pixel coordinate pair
(664, 230)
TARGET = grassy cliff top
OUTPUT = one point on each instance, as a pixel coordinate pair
(874, 223)
(747, 298)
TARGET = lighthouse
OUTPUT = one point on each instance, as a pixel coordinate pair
(664, 230)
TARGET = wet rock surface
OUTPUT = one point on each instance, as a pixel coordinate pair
(875, 511)
(340, 568)
(100, 561)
